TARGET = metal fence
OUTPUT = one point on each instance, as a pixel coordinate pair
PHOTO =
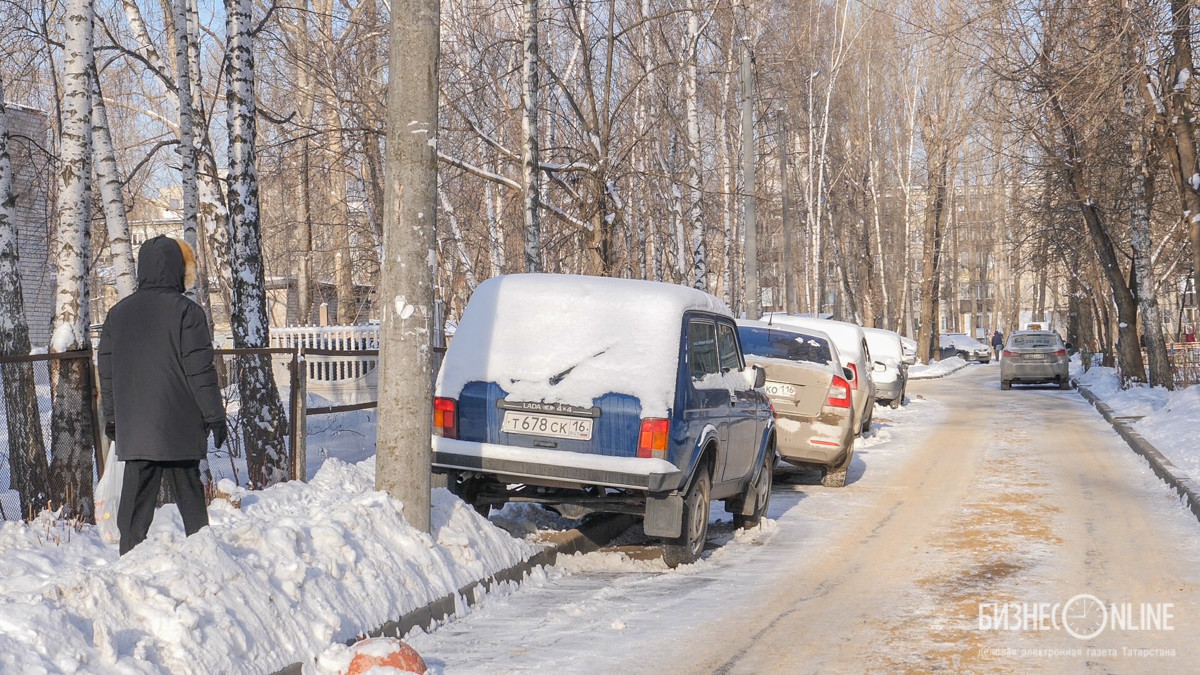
(313, 371)
(38, 467)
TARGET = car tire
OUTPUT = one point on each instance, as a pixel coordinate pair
(964, 356)
(1064, 384)
(837, 477)
(1005, 385)
(760, 492)
(866, 425)
(687, 547)
(898, 401)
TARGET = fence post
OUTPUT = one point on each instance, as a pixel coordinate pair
(299, 405)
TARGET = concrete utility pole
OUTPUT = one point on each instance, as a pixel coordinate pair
(789, 277)
(406, 280)
(753, 298)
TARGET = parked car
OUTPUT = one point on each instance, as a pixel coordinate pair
(964, 347)
(814, 414)
(1035, 357)
(595, 394)
(889, 366)
(855, 355)
(910, 349)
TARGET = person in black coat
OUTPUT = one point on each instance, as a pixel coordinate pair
(159, 390)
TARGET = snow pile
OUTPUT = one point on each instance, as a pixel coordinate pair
(1169, 419)
(297, 567)
(571, 339)
(925, 371)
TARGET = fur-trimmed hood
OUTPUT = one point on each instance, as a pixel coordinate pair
(166, 262)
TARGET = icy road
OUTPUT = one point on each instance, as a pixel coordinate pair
(980, 530)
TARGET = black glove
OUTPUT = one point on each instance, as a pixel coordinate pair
(110, 430)
(220, 431)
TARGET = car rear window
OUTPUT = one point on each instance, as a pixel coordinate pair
(1033, 341)
(779, 344)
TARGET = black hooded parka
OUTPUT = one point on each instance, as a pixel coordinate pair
(157, 379)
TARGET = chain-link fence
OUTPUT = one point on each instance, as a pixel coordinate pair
(47, 435)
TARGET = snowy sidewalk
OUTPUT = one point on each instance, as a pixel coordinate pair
(929, 371)
(1157, 424)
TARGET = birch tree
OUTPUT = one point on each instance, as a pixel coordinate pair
(262, 418)
(109, 178)
(28, 467)
(71, 422)
(531, 183)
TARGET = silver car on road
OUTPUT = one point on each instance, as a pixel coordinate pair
(1034, 357)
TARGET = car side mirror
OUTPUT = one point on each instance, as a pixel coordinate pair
(848, 374)
(1069, 346)
(755, 376)
(910, 360)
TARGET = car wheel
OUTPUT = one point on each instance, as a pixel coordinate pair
(899, 400)
(964, 357)
(760, 492)
(836, 476)
(1064, 384)
(686, 548)
(1005, 385)
(866, 425)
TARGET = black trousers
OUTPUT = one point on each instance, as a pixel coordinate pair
(139, 495)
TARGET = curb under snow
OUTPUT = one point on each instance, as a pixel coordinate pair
(1187, 488)
(939, 375)
(588, 537)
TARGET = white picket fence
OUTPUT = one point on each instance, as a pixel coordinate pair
(342, 380)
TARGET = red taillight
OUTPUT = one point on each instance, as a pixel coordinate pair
(445, 417)
(652, 441)
(1007, 353)
(1060, 353)
(839, 393)
(854, 382)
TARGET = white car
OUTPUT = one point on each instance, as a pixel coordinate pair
(890, 365)
(855, 354)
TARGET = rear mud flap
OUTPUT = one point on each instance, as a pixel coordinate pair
(664, 516)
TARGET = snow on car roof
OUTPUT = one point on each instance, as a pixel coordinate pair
(569, 339)
(884, 343)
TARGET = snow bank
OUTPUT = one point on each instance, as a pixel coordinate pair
(1170, 420)
(925, 371)
(297, 567)
(571, 339)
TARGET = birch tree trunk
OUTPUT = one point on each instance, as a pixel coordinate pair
(695, 214)
(530, 167)
(28, 468)
(262, 418)
(186, 148)
(72, 437)
(109, 178)
(931, 272)
(405, 382)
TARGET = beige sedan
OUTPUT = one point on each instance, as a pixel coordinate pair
(811, 395)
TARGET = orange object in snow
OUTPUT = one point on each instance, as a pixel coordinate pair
(384, 652)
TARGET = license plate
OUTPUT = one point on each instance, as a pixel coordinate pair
(1035, 357)
(556, 426)
(779, 389)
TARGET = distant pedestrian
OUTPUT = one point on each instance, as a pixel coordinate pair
(997, 343)
(159, 390)
(1189, 334)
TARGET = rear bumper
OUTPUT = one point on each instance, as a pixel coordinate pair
(554, 467)
(888, 391)
(822, 440)
(1033, 372)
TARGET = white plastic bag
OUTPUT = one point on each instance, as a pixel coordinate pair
(108, 496)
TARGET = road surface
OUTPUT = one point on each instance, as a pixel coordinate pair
(980, 530)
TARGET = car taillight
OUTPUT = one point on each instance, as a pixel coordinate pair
(854, 369)
(1008, 353)
(1060, 353)
(652, 441)
(839, 393)
(445, 417)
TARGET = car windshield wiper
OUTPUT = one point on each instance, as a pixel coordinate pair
(555, 379)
